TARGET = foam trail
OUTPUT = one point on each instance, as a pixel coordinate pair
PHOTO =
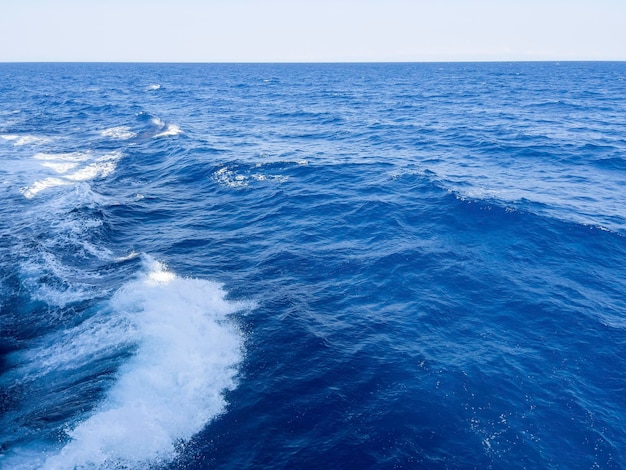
(19, 140)
(91, 168)
(186, 357)
(119, 133)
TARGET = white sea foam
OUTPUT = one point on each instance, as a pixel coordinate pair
(169, 130)
(187, 353)
(19, 140)
(87, 167)
(119, 133)
(165, 129)
(231, 178)
(275, 178)
(132, 255)
(101, 168)
(54, 269)
(64, 157)
(65, 284)
(60, 167)
(99, 336)
(41, 185)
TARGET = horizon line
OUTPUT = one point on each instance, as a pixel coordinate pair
(321, 62)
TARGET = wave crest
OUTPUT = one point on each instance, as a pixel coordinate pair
(186, 356)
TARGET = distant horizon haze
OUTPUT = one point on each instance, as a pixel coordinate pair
(245, 31)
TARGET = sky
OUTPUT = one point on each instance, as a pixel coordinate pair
(311, 31)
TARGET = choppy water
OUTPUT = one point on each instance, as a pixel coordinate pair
(313, 266)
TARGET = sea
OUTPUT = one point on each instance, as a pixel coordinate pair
(313, 266)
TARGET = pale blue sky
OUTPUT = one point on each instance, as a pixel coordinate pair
(307, 30)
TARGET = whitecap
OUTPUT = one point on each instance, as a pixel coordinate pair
(60, 167)
(64, 157)
(119, 133)
(41, 185)
(86, 169)
(19, 140)
(169, 130)
(132, 255)
(101, 168)
(186, 357)
(274, 178)
(164, 129)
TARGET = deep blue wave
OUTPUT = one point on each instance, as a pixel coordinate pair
(312, 266)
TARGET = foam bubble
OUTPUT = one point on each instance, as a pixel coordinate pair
(232, 178)
(274, 178)
(187, 353)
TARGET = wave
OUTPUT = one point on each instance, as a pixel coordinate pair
(98, 167)
(556, 193)
(240, 176)
(185, 355)
(166, 129)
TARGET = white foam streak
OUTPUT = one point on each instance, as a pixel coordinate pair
(186, 357)
(64, 157)
(60, 167)
(62, 293)
(166, 130)
(41, 185)
(170, 130)
(19, 140)
(129, 256)
(62, 163)
(229, 178)
(119, 133)
(95, 170)
(72, 349)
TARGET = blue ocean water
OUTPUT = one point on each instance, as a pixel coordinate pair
(313, 266)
